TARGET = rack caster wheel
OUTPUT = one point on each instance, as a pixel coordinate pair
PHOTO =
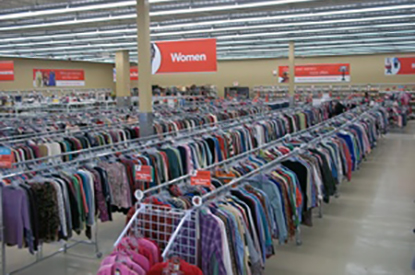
(99, 255)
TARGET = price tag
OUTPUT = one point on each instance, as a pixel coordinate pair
(55, 100)
(144, 173)
(201, 178)
(6, 157)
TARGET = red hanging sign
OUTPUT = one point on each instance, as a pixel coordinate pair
(201, 178)
(6, 70)
(144, 173)
(6, 157)
(186, 56)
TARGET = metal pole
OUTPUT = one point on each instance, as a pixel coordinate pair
(2, 227)
(291, 75)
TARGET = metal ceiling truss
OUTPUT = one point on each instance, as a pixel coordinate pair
(94, 30)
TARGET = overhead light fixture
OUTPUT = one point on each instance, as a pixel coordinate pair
(245, 20)
(290, 24)
(230, 42)
(132, 46)
(286, 16)
(31, 14)
(240, 36)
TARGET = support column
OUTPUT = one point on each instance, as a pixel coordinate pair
(291, 65)
(122, 67)
(144, 68)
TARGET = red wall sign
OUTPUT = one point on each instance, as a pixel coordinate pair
(399, 65)
(58, 78)
(144, 173)
(316, 73)
(6, 157)
(201, 178)
(6, 70)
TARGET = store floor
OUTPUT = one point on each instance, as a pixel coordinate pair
(366, 231)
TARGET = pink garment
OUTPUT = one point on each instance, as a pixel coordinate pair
(125, 260)
(151, 247)
(136, 257)
(146, 249)
(116, 269)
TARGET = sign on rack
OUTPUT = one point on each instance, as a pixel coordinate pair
(143, 173)
(200, 177)
(6, 157)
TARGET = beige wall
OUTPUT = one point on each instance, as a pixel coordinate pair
(365, 69)
(97, 75)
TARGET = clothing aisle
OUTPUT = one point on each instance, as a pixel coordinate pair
(368, 229)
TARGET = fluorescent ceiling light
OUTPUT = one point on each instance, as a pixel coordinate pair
(67, 23)
(30, 14)
(231, 42)
(299, 47)
(290, 24)
(245, 20)
(282, 17)
(54, 42)
(327, 37)
(98, 48)
(236, 6)
(71, 35)
(133, 30)
(348, 28)
(72, 47)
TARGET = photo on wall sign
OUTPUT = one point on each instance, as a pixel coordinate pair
(392, 65)
(45, 79)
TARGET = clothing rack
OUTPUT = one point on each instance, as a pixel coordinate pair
(240, 156)
(77, 162)
(142, 143)
(23, 138)
(39, 255)
(200, 201)
(181, 231)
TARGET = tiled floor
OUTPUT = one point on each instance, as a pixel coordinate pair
(366, 231)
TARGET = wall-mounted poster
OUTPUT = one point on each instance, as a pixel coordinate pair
(399, 65)
(6, 70)
(58, 78)
(314, 73)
